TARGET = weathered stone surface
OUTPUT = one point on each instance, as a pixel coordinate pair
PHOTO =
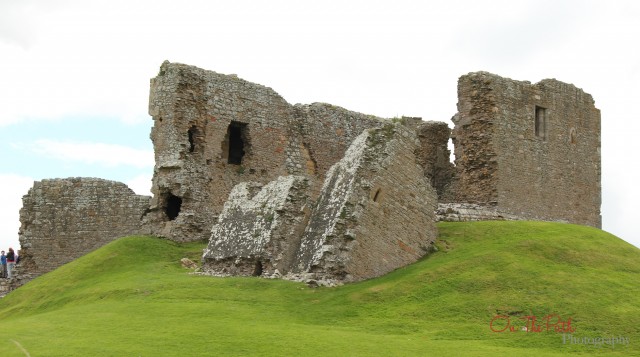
(531, 150)
(63, 219)
(466, 212)
(196, 115)
(327, 132)
(375, 212)
(257, 232)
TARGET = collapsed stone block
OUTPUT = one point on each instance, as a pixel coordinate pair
(257, 231)
(375, 212)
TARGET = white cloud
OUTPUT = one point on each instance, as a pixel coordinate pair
(94, 153)
(140, 184)
(16, 187)
(16, 26)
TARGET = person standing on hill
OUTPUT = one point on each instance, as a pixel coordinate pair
(11, 262)
(3, 265)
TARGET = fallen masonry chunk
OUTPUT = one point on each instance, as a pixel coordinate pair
(375, 212)
(257, 229)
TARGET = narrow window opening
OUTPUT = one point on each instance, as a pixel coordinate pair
(257, 270)
(376, 196)
(173, 206)
(541, 122)
(451, 147)
(193, 134)
(237, 142)
(572, 135)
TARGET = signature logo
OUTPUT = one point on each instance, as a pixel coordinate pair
(531, 323)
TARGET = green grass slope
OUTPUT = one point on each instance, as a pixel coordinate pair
(132, 298)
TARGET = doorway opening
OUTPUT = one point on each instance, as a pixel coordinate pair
(173, 206)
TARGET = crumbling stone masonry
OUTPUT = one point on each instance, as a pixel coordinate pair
(434, 155)
(212, 131)
(364, 224)
(375, 212)
(532, 151)
(64, 219)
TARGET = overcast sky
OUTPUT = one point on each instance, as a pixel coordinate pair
(74, 75)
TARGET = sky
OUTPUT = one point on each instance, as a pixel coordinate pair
(74, 75)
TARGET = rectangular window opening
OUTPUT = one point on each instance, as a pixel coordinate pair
(236, 142)
(541, 122)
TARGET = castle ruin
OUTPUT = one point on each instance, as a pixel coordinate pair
(320, 190)
(64, 219)
(530, 150)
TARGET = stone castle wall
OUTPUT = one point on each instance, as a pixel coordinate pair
(327, 131)
(64, 219)
(531, 150)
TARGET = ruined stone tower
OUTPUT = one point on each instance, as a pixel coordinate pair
(528, 150)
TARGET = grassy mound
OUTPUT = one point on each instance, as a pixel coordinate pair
(132, 298)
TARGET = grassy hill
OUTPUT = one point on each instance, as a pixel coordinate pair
(132, 298)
